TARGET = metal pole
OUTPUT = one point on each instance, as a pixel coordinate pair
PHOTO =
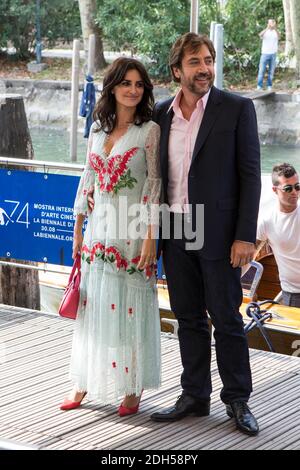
(219, 46)
(44, 165)
(74, 100)
(194, 26)
(91, 57)
(212, 30)
(38, 48)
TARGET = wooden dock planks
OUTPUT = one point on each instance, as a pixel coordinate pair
(34, 361)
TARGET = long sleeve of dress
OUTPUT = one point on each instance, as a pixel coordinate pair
(152, 189)
(86, 181)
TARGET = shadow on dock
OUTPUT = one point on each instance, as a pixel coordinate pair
(34, 361)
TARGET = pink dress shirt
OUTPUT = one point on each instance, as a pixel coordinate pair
(182, 140)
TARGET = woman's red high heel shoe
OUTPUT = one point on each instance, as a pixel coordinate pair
(125, 411)
(71, 405)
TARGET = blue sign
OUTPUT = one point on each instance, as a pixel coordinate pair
(36, 216)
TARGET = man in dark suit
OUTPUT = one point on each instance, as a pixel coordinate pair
(210, 156)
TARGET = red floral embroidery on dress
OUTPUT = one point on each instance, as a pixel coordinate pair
(113, 173)
(113, 307)
(114, 364)
(97, 251)
(112, 255)
(145, 199)
(136, 260)
(85, 254)
(149, 271)
(126, 370)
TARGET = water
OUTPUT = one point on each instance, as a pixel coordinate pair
(54, 145)
(274, 154)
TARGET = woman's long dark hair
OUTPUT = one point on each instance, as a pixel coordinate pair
(105, 109)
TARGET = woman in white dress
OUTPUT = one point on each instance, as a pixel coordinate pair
(116, 343)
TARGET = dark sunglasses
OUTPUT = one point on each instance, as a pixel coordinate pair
(288, 188)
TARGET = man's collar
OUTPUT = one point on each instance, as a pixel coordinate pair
(175, 105)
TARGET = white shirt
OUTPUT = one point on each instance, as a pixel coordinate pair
(282, 230)
(270, 42)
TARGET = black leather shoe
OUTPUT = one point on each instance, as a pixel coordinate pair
(185, 405)
(244, 419)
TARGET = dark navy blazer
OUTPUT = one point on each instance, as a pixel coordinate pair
(225, 171)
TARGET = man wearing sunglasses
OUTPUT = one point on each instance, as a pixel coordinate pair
(281, 228)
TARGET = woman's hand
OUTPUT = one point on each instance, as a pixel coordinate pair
(77, 243)
(148, 255)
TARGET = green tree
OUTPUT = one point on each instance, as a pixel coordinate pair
(243, 21)
(150, 27)
(145, 27)
(59, 20)
(88, 12)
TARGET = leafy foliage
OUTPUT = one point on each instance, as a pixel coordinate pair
(149, 28)
(146, 27)
(59, 20)
(243, 21)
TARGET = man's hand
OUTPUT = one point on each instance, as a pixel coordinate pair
(241, 253)
(91, 201)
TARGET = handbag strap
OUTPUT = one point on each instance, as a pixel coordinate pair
(76, 266)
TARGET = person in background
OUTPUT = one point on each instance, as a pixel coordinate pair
(270, 37)
(281, 229)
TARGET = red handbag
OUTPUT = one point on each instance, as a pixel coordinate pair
(70, 301)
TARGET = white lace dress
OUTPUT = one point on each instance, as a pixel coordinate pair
(116, 343)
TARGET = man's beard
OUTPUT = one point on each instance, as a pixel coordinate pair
(193, 85)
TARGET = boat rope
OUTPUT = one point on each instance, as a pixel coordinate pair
(258, 318)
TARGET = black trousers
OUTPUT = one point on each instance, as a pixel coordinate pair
(198, 285)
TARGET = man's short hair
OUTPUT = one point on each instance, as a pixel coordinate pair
(188, 42)
(284, 169)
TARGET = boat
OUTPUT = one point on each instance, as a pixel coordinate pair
(52, 286)
(281, 325)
